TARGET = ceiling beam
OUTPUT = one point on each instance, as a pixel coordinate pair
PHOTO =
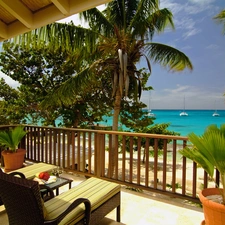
(62, 5)
(28, 21)
(3, 30)
(18, 10)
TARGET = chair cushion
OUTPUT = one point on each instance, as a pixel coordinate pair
(96, 190)
(45, 212)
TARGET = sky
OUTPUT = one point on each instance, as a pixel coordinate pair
(201, 39)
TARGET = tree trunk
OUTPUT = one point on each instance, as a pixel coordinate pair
(112, 153)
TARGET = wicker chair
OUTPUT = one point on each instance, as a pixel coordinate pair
(24, 205)
(14, 174)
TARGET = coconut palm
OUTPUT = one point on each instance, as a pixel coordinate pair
(220, 18)
(116, 40)
(208, 151)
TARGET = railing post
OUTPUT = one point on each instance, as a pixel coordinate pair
(99, 145)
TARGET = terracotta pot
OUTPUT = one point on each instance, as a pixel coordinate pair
(214, 212)
(13, 161)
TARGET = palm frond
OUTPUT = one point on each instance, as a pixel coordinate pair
(197, 157)
(98, 22)
(67, 36)
(157, 21)
(168, 57)
(220, 18)
(148, 63)
(208, 149)
(116, 13)
(12, 137)
(67, 92)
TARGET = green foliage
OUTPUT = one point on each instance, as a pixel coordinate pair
(220, 18)
(177, 186)
(144, 124)
(12, 138)
(115, 42)
(156, 129)
(11, 111)
(208, 151)
(40, 71)
(134, 189)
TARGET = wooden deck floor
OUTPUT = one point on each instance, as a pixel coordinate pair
(143, 208)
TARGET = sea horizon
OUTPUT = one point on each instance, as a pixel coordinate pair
(196, 121)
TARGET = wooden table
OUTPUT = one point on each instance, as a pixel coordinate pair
(61, 181)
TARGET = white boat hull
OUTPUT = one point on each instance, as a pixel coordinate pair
(183, 114)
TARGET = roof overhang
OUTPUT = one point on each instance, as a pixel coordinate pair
(21, 16)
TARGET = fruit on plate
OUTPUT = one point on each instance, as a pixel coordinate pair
(43, 175)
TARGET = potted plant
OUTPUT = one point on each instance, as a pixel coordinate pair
(208, 151)
(13, 157)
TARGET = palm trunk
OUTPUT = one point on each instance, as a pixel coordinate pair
(112, 153)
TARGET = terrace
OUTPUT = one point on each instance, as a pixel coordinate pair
(169, 182)
(149, 208)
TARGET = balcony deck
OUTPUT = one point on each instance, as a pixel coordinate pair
(143, 208)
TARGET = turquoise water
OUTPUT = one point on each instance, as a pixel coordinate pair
(196, 121)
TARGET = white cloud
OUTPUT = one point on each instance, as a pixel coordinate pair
(212, 46)
(171, 5)
(184, 11)
(191, 32)
(195, 98)
(186, 47)
(202, 2)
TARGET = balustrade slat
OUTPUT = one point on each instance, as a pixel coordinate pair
(68, 155)
(164, 180)
(139, 161)
(73, 141)
(131, 159)
(89, 156)
(102, 155)
(123, 158)
(155, 163)
(184, 174)
(46, 145)
(194, 179)
(174, 167)
(116, 151)
(146, 161)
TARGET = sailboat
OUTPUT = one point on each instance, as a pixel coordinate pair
(184, 113)
(215, 112)
(150, 113)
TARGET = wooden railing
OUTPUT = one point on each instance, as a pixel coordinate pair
(138, 165)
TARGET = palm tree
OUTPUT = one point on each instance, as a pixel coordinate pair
(220, 18)
(117, 38)
(208, 151)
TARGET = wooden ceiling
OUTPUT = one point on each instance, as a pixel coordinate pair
(21, 16)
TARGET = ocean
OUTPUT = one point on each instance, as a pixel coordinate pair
(196, 121)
